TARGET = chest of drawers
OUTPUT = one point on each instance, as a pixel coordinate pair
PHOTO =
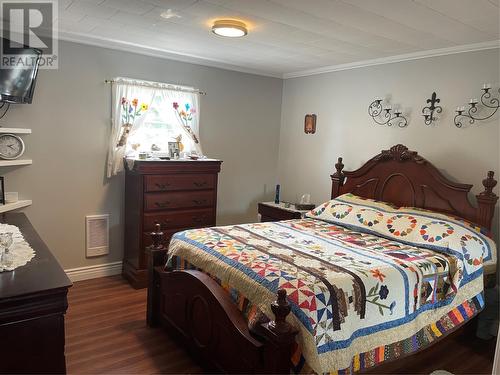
(177, 194)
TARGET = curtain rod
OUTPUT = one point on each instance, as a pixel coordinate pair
(155, 84)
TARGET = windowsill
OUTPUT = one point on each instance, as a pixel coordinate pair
(166, 161)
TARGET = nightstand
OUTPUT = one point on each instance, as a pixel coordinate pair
(271, 211)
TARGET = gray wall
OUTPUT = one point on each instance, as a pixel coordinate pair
(340, 99)
(240, 121)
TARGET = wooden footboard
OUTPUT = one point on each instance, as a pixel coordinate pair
(196, 310)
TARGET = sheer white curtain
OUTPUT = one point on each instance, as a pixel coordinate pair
(164, 113)
(130, 105)
(182, 110)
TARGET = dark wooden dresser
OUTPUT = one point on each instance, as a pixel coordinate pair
(32, 307)
(178, 195)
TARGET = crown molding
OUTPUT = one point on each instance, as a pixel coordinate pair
(494, 44)
(120, 45)
(139, 49)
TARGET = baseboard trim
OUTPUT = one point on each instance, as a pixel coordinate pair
(93, 272)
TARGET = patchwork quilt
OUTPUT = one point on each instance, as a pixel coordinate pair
(366, 281)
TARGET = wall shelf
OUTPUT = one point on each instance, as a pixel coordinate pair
(8, 163)
(15, 130)
(13, 206)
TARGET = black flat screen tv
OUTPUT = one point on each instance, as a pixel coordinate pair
(17, 82)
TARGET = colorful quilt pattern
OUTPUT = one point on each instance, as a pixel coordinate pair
(350, 291)
(414, 226)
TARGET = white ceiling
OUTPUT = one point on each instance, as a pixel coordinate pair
(286, 37)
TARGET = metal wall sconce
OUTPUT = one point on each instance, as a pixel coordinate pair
(472, 113)
(428, 112)
(385, 115)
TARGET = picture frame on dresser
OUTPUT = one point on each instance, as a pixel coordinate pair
(178, 194)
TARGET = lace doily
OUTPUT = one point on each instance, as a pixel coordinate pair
(20, 252)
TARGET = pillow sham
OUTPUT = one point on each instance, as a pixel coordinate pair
(413, 226)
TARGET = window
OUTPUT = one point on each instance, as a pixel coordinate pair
(162, 124)
(147, 114)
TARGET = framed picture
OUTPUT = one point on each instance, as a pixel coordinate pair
(2, 192)
(310, 124)
(173, 148)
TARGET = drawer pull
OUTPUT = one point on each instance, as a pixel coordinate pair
(162, 186)
(162, 204)
(197, 220)
(199, 201)
(200, 184)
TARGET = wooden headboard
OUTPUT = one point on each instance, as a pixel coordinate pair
(404, 178)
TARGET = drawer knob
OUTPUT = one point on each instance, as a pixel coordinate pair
(197, 220)
(162, 204)
(199, 201)
(200, 183)
(162, 186)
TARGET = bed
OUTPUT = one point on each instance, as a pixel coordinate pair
(392, 264)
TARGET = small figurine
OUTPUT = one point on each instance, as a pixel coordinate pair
(154, 147)
(178, 139)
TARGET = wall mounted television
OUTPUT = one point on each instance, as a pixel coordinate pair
(17, 84)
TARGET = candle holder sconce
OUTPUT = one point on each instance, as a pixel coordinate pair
(385, 115)
(486, 102)
(429, 111)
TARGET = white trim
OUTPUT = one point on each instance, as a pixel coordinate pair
(93, 272)
(88, 39)
(120, 45)
(494, 44)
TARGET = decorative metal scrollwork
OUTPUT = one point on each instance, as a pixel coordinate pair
(428, 112)
(385, 115)
(486, 102)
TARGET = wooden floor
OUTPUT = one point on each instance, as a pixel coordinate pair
(106, 333)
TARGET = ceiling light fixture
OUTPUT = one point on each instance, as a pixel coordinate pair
(229, 28)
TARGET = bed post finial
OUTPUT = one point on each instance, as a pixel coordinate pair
(281, 337)
(157, 237)
(281, 308)
(337, 178)
(487, 201)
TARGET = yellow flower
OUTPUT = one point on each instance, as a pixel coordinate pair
(144, 106)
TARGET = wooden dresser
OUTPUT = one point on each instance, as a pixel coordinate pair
(32, 307)
(177, 194)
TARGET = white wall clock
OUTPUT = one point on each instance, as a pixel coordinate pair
(11, 146)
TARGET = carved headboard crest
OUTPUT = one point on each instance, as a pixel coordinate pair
(404, 178)
(399, 153)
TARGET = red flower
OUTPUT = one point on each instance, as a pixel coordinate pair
(175, 105)
(377, 274)
(124, 101)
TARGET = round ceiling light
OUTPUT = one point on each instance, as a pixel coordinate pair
(229, 28)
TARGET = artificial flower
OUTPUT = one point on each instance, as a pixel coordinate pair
(135, 102)
(187, 106)
(175, 105)
(144, 107)
(124, 101)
